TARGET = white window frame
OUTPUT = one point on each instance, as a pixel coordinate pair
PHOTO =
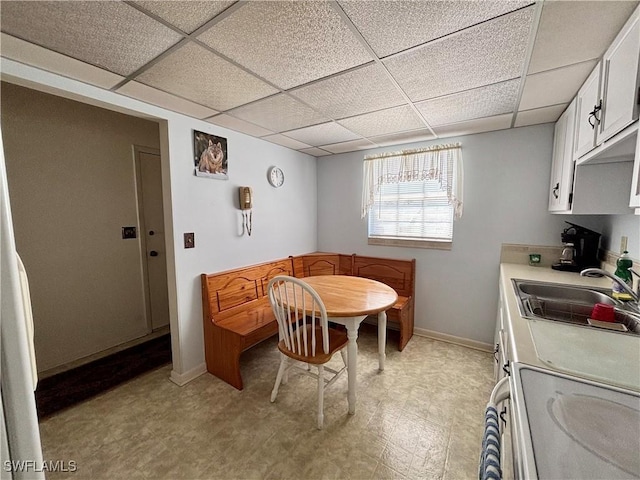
(432, 176)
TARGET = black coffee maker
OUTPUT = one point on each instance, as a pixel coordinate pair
(580, 249)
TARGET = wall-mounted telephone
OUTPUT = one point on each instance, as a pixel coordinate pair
(246, 203)
(246, 198)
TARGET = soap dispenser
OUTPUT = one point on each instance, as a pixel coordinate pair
(623, 264)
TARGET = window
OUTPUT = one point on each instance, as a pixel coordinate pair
(412, 197)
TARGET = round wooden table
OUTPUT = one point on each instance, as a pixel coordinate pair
(349, 300)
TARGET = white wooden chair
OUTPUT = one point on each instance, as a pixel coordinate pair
(305, 335)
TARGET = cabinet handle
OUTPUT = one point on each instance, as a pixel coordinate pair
(594, 114)
(555, 190)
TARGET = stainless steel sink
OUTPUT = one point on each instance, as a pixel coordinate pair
(572, 304)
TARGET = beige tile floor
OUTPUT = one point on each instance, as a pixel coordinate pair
(420, 418)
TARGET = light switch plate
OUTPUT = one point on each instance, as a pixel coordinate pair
(623, 244)
(189, 240)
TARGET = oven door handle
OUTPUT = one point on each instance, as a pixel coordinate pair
(490, 455)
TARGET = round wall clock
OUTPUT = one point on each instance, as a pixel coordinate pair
(276, 177)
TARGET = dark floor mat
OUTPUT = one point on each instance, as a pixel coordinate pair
(68, 388)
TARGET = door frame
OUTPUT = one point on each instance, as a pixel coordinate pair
(137, 150)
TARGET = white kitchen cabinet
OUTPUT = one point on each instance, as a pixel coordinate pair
(607, 102)
(634, 200)
(620, 80)
(563, 165)
(587, 113)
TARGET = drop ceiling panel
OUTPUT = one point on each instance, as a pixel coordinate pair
(391, 120)
(110, 35)
(479, 125)
(564, 83)
(572, 32)
(287, 43)
(358, 91)
(195, 73)
(350, 146)
(186, 15)
(326, 133)
(37, 56)
(316, 152)
(404, 137)
(162, 99)
(392, 26)
(238, 125)
(477, 103)
(540, 115)
(279, 113)
(491, 52)
(285, 141)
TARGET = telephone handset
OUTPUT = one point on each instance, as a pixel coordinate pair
(246, 203)
(246, 198)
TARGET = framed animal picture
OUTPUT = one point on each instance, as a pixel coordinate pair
(210, 156)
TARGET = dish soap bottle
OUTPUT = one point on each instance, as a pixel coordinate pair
(623, 264)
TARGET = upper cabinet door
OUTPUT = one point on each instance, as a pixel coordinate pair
(634, 200)
(588, 113)
(620, 80)
(563, 166)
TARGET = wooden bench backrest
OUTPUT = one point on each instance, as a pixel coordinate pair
(398, 274)
(226, 290)
(322, 264)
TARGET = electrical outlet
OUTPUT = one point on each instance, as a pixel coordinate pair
(189, 240)
(129, 232)
(623, 244)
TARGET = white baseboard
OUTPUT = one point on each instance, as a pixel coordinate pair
(181, 379)
(465, 342)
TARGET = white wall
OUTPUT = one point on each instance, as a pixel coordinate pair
(70, 171)
(284, 220)
(616, 226)
(506, 193)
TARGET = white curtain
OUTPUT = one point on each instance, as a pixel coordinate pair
(440, 162)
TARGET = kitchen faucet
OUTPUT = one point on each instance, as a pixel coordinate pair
(596, 271)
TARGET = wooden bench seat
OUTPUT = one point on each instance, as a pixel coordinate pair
(237, 315)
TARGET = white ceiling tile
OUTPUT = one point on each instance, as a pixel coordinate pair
(166, 100)
(325, 133)
(479, 125)
(351, 146)
(564, 83)
(489, 53)
(392, 26)
(539, 115)
(316, 152)
(477, 103)
(279, 113)
(287, 43)
(186, 15)
(238, 125)
(110, 35)
(285, 141)
(572, 32)
(195, 73)
(34, 55)
(358, 91)
(404, 137)
(391, 120)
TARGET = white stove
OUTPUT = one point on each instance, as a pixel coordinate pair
(565, 427)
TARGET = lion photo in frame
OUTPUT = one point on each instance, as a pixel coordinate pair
(210, 156)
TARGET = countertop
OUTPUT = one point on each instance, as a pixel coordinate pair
(599, 355)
